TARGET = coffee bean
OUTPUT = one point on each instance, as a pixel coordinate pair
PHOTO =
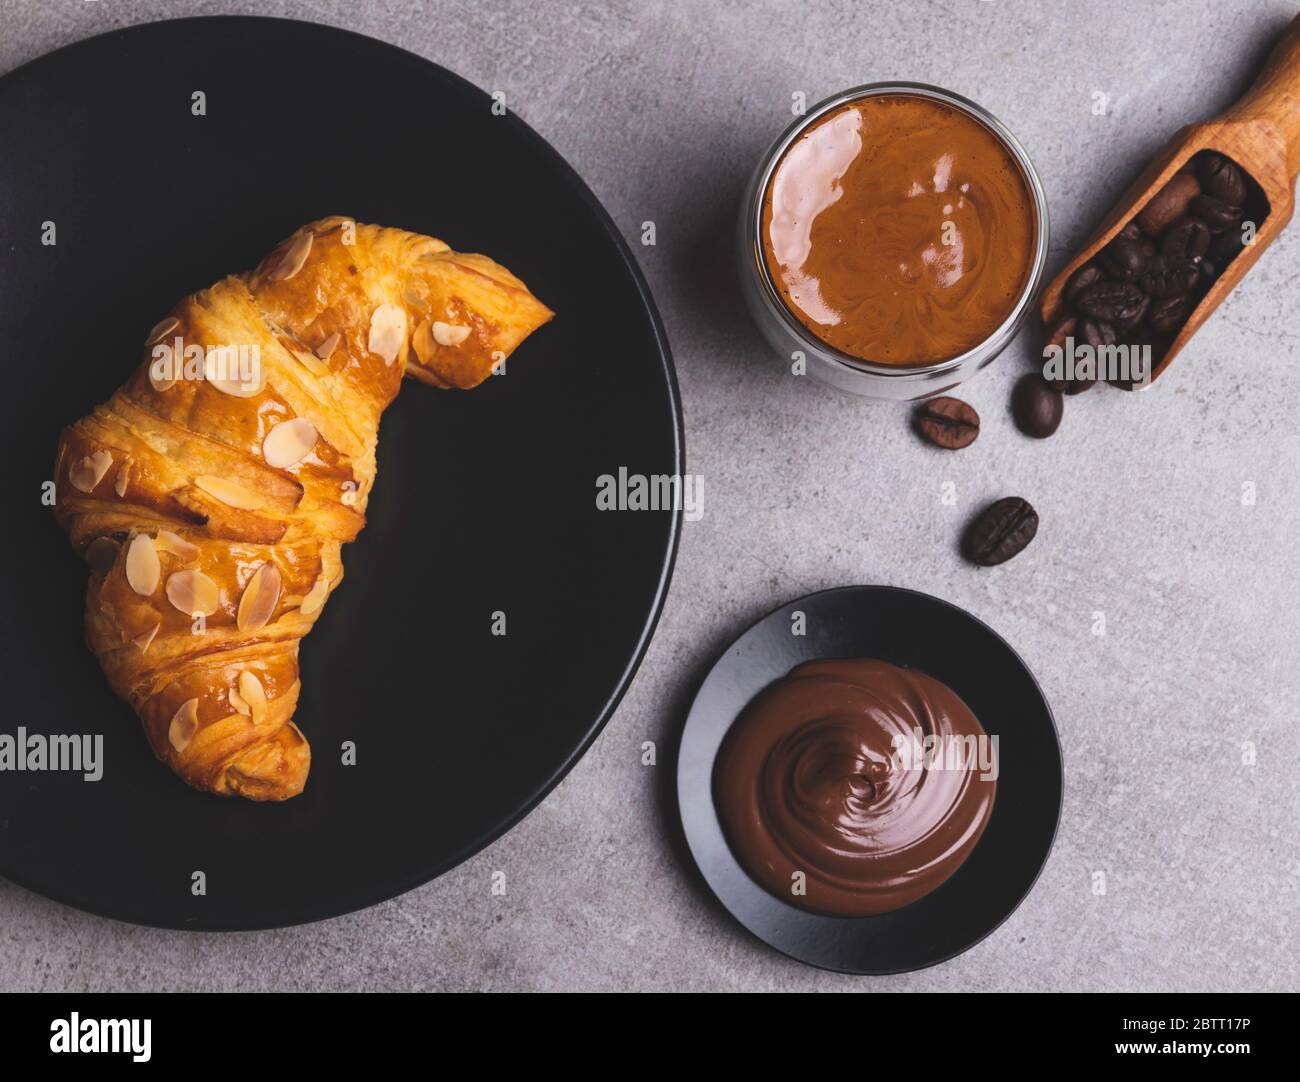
(1133, 341)
(1187, 238)
(1057, 332)
(949, 423)
(1081, 280)
(1222, 179)
(1131, 230)
(1132, 319)
(1123, 259)
(1216, 214)
(1225, 247)
(1169, 313)
(1168, 204)
(1036, 407)
(1110, 302)
(1168, 276)
(1096, 333)
(1064, 386)
(1002, 531)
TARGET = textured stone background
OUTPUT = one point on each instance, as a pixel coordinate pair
(664, 108)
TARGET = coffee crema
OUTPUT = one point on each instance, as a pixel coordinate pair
(815, 778)
(898, 230)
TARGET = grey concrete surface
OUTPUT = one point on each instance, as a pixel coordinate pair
(664, 108)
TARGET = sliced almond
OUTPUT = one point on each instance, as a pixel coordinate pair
(145, 638)
(449, 334)
(289, 442)
(237, 701)
(422, 341)
(315, 596)
(229, 493)
(193, 593)
(260, 598)
(176, 545)
(311, 362)
(326, 349)
(303, 356)
(185, 723)
(387, 332)
(293, 259)
(123, 478)
(161, 330)
(87, 473)
(224, 368)
(101, 554)
(142, 566)
(164, 378)
(252, 692)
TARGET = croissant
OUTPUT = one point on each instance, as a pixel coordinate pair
(212, 494)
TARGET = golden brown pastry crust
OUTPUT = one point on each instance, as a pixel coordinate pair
(186, 494)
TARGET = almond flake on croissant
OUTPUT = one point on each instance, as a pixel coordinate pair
(213, 493)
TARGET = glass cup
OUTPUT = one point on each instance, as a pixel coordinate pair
(828, 365)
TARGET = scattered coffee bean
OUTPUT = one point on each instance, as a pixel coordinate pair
(1167, 276)
(1001, 532)
(1187, 238)
(1124, 259)
(1222, 179)
(1036, 407)
(948, 422)
(1216, 214)
(1060, 386)
(1169, 204)
(1110, 302)
(1168, 313)
(1081, 280)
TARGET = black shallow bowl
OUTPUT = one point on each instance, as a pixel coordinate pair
(920, 631)
(485, 501)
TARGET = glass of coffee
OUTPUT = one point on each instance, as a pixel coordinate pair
(892, 241)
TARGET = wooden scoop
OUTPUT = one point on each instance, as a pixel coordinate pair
(1261, 133)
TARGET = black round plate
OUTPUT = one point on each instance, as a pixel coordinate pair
(485, 501)
(920, 631)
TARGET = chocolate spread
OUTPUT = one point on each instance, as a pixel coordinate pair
(898, 230)
(821, 775)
